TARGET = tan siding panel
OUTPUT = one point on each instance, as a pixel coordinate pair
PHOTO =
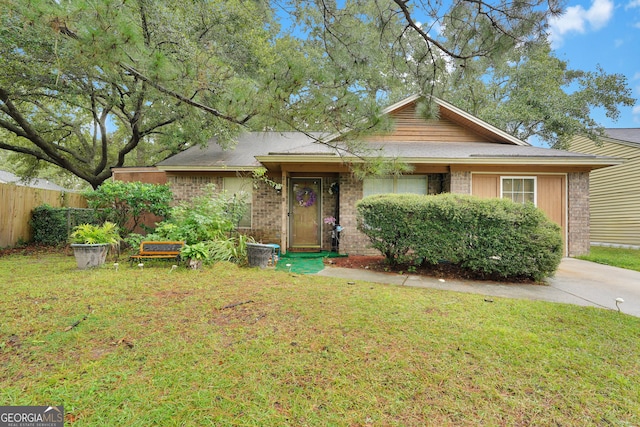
(485, 186)
(551, 197)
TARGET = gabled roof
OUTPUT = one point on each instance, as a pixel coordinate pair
(625, 135)
(488, 145)
(10, 178)
(461, 117)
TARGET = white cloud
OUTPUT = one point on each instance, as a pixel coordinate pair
(636, 76)
(618, 42)
(576, 19)
(632, 4)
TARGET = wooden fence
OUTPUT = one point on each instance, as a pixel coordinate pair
(16, 204)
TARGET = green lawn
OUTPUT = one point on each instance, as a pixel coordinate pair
(154, 347)
(624, 258)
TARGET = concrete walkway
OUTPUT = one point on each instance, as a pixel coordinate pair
(576, 282)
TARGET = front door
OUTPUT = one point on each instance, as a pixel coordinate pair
(304, 208)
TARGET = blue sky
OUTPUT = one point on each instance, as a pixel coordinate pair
(606, 33)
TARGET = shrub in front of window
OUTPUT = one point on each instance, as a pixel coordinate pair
(491, 237)
(212, 216)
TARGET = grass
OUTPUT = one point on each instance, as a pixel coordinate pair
(246, 347)
(617, 257)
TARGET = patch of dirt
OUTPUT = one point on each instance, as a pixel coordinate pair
(443, 271)
(32, 249)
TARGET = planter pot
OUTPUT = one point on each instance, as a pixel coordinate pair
(259, 255)
(195, 264)
(89, 256)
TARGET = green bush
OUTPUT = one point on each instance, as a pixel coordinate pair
(212, 216)
(52, 226)
(126, 202)
(91, 234)
(491, 237)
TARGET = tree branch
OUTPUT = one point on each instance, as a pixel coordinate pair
(184, 99)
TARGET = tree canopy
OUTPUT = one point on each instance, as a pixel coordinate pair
(87, 85)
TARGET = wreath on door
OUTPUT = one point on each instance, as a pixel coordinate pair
(306, 197)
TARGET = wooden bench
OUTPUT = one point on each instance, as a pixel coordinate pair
(158, 250)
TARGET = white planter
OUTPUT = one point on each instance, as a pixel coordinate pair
(89, 256)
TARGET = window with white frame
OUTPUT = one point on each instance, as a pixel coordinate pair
(520, 189)
(414, 184)
(237, 186)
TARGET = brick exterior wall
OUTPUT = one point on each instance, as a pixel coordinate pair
(186, 187)
(266, 203)
(267, 213)
(460, 182)
(578, 240)
(352, 241)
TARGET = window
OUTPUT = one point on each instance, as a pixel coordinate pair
(235, 185)
(414, 184)
(519, 189)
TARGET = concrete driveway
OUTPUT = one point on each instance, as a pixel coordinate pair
(576, 282)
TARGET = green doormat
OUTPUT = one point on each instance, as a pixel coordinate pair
(304, 262)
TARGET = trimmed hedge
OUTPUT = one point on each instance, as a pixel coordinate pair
(52, 226)
(491, 237)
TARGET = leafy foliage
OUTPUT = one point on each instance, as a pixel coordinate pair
(530, 92)
(232, 249)
(210, 216)
(52, 226)
(125, 202)
(197, 251)
(87, 86)
(91, 234)
(486, 236)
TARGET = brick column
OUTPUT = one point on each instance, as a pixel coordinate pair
(351, 240)
(578, 206)
(460, 182)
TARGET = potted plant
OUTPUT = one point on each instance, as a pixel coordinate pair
(195, 254)
(91, 243)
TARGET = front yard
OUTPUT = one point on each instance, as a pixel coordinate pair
(231, 346)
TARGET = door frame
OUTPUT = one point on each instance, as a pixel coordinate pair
(291, 181)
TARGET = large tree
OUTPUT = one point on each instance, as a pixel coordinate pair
(531, 93)
(86, 85)
(491, 58)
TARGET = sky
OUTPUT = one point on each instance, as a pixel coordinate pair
(605, 33)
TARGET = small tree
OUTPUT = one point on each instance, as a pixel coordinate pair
(126, 202)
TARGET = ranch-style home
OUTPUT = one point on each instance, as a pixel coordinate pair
(456, 153)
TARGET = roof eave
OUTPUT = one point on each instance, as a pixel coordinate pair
(192, 168)
(484, 160)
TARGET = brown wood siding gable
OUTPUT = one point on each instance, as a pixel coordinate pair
(410, 127)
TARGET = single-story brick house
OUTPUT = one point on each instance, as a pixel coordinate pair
(614, 191)
(455, 153)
